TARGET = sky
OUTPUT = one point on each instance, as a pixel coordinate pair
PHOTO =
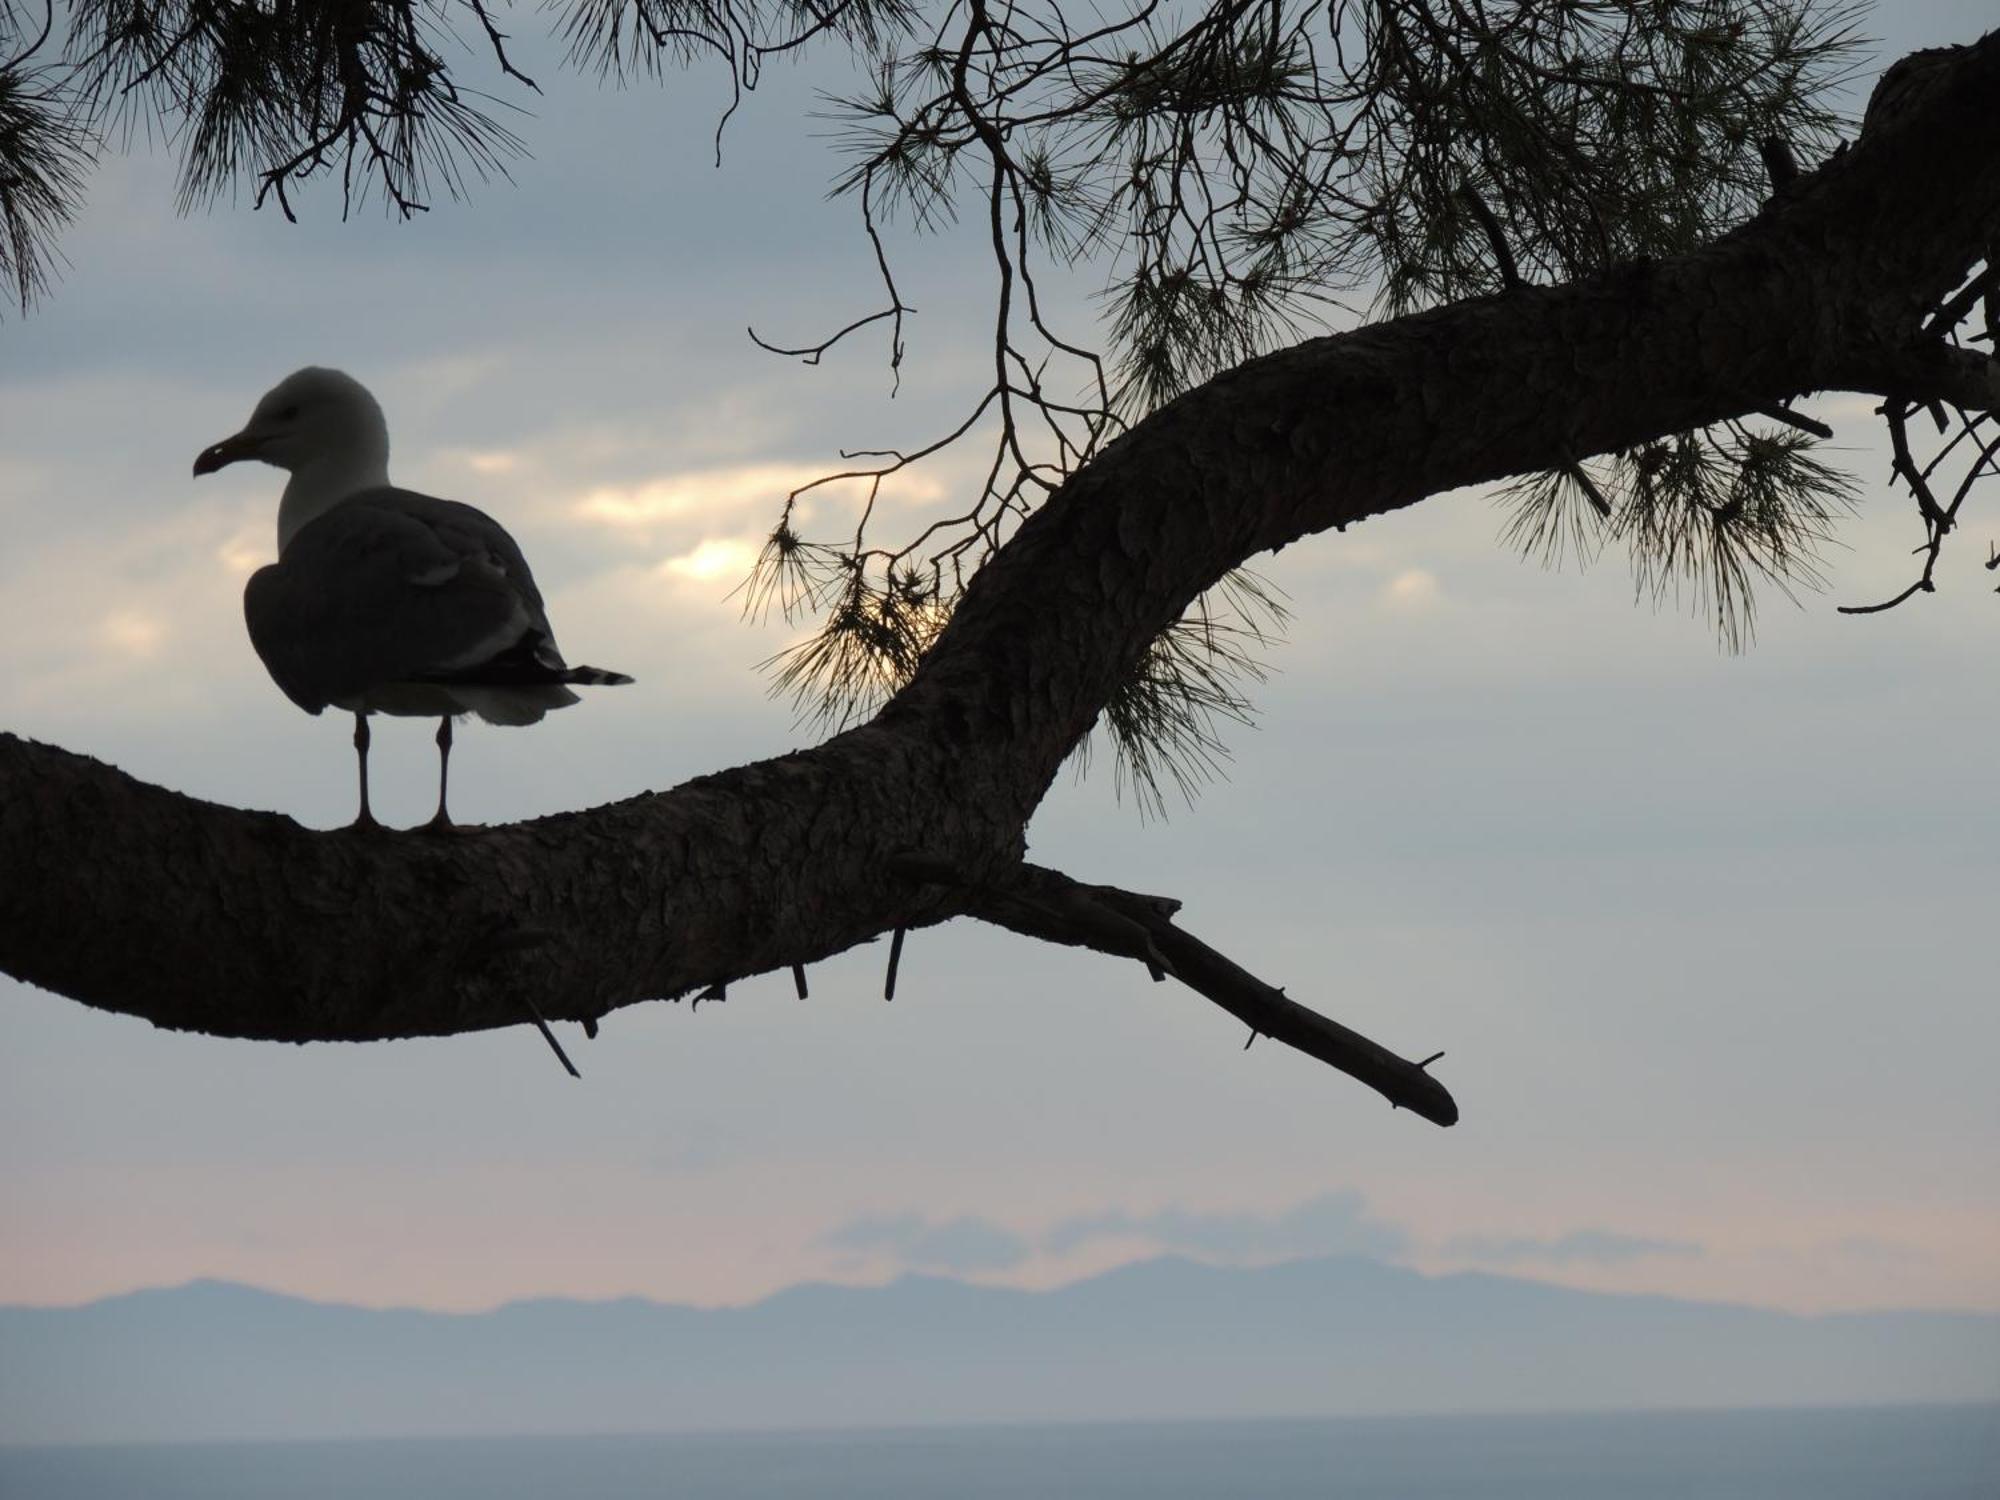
(1705, 939)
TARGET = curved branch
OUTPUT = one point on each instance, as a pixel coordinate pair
(130, 898)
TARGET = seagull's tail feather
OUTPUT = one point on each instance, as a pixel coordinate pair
(594, 677)
(525, 701)
(531, 662)
(513, 705)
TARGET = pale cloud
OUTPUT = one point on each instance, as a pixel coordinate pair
(740, 490)
(248, 548)
(703, 493)
(1875, 1250)
(1335, 1223)
(1412, 589)
(444, 377)
(962, 1244)
(717, 558)
(1847, 407)
(132, 632)
(91, 611)
(489, 461)
(1331, 1224)
(1598, 1247)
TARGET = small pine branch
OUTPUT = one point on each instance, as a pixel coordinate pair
(1165, 719)
(1707, 517)
(866, 648)
(45, 159)
(1556, 517)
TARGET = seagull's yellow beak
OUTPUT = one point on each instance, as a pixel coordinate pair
(226, 452)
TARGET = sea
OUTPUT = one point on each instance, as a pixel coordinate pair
(1875, 1453)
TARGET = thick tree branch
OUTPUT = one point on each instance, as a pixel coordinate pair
(131, 898)
(1927, 373)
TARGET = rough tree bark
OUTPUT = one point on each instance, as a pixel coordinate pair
(131, 898)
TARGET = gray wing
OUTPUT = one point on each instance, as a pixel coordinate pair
(392, 586)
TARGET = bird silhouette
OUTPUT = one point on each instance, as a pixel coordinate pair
(383, 600)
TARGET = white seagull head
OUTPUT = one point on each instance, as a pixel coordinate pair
(311, 418)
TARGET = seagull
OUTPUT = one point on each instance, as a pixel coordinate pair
(383, 600)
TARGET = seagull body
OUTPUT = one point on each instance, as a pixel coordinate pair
(383, 600)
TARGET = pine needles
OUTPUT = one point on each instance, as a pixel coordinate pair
(1707, 518)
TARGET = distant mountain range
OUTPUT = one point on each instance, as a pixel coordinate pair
(1161, 1339)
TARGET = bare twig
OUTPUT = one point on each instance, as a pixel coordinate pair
(8, 65)
(812, 353)
(1939, 520)
(1923, 585)
(1496, 238)
(1046, 904)
(1580, 477)
(895, 962)
(550, 1037)
(498, 39)
(1779, 162)
(1953, 311)
(1799, 420)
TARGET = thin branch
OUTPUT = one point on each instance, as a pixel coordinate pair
(1580, 477)
(41, 37)
(1496, 237)
(498, 39)
(812, 353)
(1953, 312)
(896, 309)
(1939, 521)
(1046, 904)
(550, 1037)
(1799, 420)
(1906, 466)
(1923, 585)
(895, 962)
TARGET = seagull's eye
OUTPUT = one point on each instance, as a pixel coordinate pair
(287, 414)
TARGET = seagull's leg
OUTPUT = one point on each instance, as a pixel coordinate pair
(441, 818)
(365, 819)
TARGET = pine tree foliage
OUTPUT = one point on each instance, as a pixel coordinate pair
(1165, 717)
(1230, 175)
(1706, 517)
(45, 152)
